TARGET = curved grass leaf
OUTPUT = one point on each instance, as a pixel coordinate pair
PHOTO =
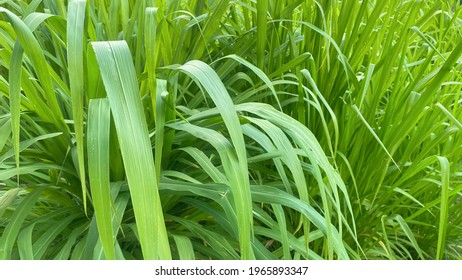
(209, 80)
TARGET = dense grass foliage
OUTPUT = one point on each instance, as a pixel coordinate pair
(254, 129)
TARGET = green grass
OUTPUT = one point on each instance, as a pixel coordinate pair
(260, 129)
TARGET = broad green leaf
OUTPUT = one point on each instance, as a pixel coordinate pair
(119, 78)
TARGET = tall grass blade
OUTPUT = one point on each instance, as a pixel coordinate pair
(98, 171)
(150, 47)
(119, 78)
(15, 98)
(75, 51)
(444, 206)
(262, 10)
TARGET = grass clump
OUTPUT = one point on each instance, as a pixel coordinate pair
(230, 130)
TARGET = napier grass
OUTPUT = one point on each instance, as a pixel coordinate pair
(185, 129)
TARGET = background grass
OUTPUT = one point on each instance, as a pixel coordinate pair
(262, 129)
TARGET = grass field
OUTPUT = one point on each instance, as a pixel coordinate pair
(218, 129)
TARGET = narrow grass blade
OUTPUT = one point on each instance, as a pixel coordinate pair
(98, 170)
(75, 51)
(355, 108)
(158, 103)
(444, 206)
(15, 98)
(262, 10)
(449, 115)
(150, 30)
